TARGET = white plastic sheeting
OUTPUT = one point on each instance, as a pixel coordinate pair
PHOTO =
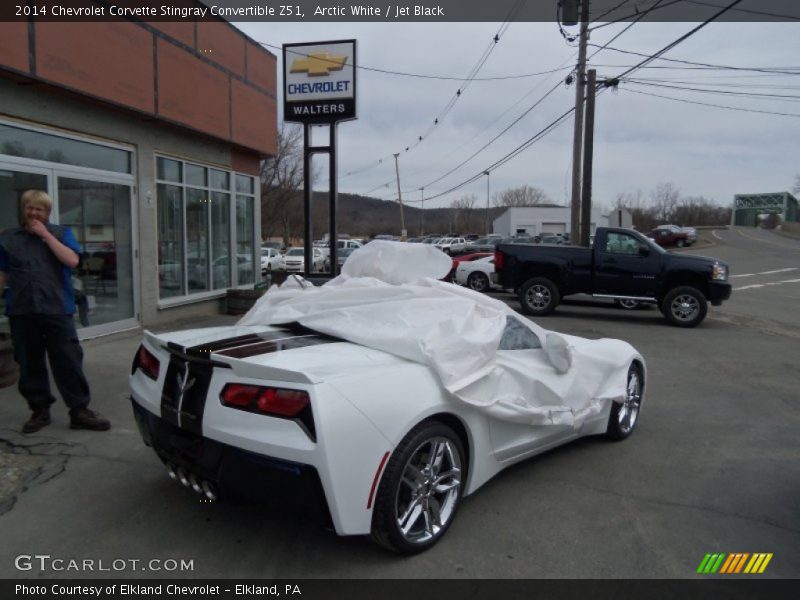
(388, 297)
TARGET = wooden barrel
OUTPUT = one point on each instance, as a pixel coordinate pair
(9, 372)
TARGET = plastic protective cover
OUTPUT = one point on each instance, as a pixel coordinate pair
(389, 297)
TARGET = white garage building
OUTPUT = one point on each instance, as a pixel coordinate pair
(536, 220)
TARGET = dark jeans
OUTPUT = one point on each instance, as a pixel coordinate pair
(55, 335)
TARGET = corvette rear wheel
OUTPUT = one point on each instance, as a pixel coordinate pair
(624, 415)
(420, 490)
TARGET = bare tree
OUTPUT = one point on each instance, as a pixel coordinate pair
(525, 195)
(796, 188)
(463, 212)
(281, 185)
(664, 199)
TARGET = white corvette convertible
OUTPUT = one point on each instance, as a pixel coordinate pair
(390, 396)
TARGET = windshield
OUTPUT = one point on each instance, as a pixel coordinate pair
(296, 252)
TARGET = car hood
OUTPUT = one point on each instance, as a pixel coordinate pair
(692, 259)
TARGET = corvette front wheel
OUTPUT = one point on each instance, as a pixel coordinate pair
(420, 491)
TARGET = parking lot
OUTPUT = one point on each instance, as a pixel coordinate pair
(712, 467)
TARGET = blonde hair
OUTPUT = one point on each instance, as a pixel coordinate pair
(37, 198)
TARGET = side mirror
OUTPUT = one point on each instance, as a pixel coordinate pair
(644, 251)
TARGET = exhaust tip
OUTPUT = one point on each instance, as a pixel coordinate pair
(208, 491)
(183, 477)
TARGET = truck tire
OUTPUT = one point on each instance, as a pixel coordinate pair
(539, 296)
(684, 306)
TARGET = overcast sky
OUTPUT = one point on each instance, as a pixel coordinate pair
(640, 140)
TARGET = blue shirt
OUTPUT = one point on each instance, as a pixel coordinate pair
(38, 283)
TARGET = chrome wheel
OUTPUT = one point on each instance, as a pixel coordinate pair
(477, 282)
(628, 303)
(629, 410)
(684, 307)
(539, 296)
(429, 490)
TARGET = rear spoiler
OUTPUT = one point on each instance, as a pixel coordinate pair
(240, 367)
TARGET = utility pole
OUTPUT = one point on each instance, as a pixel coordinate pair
(400, 197)
(486, 217)
(577, 140)
(422, 215)
(588, 155)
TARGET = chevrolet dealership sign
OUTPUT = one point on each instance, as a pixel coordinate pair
(319, 81)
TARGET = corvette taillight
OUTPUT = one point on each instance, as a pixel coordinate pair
(146, 362)
(266, 400)
(272, 401)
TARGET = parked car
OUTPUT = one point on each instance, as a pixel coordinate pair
(477, 274)
(550, 239)
(670, 237)
(622, 264)
(691, 232)
(271, 260)
(457, 260)
(341, 257)
(281, 411)
(295, 260)
(452, 245)
(486, 244)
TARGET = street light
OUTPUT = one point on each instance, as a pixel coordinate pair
(486, 218)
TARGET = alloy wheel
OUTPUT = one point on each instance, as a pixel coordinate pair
(539, 296)
(629, 410)
(429, 490)
(684, 307)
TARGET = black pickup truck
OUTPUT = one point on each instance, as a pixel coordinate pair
(623, 265)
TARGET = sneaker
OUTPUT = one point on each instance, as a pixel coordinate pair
(83, 418)
(40, 418)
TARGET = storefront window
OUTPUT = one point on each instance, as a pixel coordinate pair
(170, 241)
(215, 255)
(244, 239)
(26, 143)
(220, 240)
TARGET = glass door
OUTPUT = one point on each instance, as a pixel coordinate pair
(100, 215)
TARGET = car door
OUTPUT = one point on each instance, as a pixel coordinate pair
(626, 266)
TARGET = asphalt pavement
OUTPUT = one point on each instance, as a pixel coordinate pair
(712, 467)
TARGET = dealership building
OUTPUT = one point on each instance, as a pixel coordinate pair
(148, 137)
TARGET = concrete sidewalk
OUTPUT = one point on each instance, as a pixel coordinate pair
(33, 459)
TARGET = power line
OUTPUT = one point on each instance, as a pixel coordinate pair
(708, 65)
(681, 39)
(500, 116)
(736, 108)
(610, 10)
(639, 18)
(511, 155)
(627, 17)
(429, 76)
(781, 97)
(747, 11)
